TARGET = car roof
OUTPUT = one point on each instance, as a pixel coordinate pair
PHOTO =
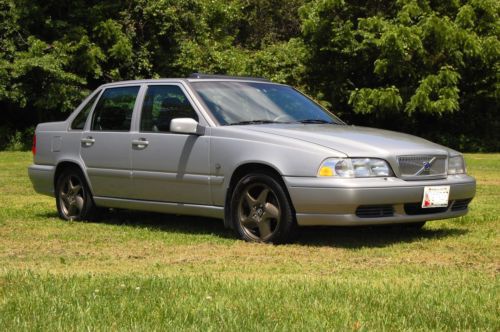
(196, 77)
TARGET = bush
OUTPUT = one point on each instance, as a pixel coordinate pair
(20, 140)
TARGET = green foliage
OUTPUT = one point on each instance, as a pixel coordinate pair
(21, 140)
(367, 100)
(39, 73)
(443, 87)
(409, 65)
(408, 62)
(116, 45)
(281, 62)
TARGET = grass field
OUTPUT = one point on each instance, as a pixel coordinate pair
(141, 271)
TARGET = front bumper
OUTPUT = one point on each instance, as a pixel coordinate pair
(42, 178)
(328, 201)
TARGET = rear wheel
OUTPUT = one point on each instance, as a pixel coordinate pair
(261, 210)
(73, 198)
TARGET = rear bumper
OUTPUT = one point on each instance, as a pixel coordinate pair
(42, 178)
(320, 201)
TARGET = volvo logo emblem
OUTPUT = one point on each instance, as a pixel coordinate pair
(426, 166)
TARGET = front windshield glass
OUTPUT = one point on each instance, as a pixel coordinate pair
(235, 103)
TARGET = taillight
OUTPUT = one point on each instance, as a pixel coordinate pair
(33, 148)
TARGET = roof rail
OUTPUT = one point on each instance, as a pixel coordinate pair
(210, 76)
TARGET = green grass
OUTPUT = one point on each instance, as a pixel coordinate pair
(143, 271)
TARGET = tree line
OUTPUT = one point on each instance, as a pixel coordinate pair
(426, 67)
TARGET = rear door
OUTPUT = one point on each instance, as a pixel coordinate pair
(167, 166)
(106, 144)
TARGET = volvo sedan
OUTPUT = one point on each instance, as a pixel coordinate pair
(259, 155)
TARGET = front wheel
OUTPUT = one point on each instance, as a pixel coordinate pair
(73, 198)
(261, 210)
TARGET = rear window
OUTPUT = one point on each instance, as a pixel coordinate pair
(114, 109)
(79, 121)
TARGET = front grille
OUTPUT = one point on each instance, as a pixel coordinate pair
(421, 166)
(460, 204)
(414, 209)
(375, 211)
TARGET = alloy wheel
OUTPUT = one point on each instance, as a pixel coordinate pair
(71, 197)
(259, 212)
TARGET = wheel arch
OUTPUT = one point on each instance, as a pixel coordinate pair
(240, 172)
(66, 164)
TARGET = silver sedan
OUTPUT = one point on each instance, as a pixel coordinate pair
(261, 156)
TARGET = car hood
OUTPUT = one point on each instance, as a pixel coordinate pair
(355, 141)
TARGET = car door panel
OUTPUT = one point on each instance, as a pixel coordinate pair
(169, 167)
(105, 144)
(108, 163)
(172, 168)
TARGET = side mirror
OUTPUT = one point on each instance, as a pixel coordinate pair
(186, 126)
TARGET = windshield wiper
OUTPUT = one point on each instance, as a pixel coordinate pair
(306, 121)
(254, 122)
(316, 121)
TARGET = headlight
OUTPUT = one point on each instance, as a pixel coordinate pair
(456, 165)
(354, 168)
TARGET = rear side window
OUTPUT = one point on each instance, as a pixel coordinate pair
(114, 109)
(162, 104)
(79, 121)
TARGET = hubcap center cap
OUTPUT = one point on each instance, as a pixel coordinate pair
(258, 212)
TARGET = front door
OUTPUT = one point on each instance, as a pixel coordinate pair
(167, 166)
(105, 146)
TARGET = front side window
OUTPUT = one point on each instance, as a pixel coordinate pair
(79, 121)
(114, 109)
(162, 104)
(254, 102)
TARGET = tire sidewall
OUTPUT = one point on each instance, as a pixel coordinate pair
(287, 224)
(88, 205)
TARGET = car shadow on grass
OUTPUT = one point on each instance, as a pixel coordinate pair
(167, 223)
(341, 237)
(372, 236)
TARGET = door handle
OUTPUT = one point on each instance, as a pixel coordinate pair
(140, 143)
(88, 141)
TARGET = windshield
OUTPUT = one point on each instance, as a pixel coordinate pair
(251, 103)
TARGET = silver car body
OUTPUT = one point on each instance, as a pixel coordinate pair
(191, 174)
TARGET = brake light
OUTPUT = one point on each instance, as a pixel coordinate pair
(33, 148)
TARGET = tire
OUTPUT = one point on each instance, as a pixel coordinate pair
(261, 210)
(73, 198)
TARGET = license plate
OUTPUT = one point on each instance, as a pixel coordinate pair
(435, 196)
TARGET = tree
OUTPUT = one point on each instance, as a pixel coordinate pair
(426, 67)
